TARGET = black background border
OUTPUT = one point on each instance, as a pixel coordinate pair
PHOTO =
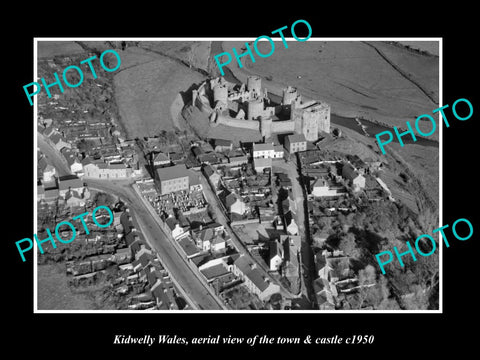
(60, 334)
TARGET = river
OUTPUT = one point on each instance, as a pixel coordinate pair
(361, 126)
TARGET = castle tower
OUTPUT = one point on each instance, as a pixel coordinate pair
(220, 93)
(290, 94)
(254, 84)
(255, 109)
(324, 117)
(310, 124)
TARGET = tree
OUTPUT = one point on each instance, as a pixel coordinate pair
(348, 245)
(366, 278)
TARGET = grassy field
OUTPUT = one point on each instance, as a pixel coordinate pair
(351, 76)
(195, 53)
(54, 293)
(146, 90)
(49, 49)
(357, 81)
(422, 161)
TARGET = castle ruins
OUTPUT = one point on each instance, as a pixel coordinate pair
(249, 107)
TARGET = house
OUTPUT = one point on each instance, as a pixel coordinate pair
(295, 143)
(51, 195)
(256, 281)
(173, 224)
(219, 242)
(358, 163)
(260, 164)
(323, 293)
(188, 246)
(293, 241)
(290, 224)
(73, 161)
(161, 159)
(265, 151)
(49, 173)
(278, 223)
(69, 182)
(290, 266)
(221, 145)
(60, 142)
(356, 180)
(100, 170)
(212, 175)
(214, 271)
(278, 151)
(73, 199)
(76, 167)
(177, 158)
(266, 215)
(275, 255)
(203, 238)
(194, 181)
(237, 160)
(210, 158)
(323, 187)
(173, 178)
(233, 203)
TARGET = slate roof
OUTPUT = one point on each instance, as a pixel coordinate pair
(172, 172)
(295, 138)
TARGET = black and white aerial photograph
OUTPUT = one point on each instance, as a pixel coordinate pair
(241, 182)
(252, 187)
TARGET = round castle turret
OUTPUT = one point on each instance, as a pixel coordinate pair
(254, 83)
(289, 95)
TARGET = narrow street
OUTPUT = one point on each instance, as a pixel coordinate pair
(306, 252)
(222, 219)
(174, 263)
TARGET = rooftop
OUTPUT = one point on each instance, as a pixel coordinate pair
(69, 181)
(215, 271)
(263, 147)
(172, 172)
(296, 138)
(262, 162)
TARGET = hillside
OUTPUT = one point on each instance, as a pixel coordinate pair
(146, 90)
(351, 76)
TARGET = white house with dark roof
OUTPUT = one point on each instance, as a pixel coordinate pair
(356, 179)
(69, 182)
(254, 279)
(100, 170)
(275, 255)
(161, 159)
(176, 229)
(266, 151)
(49, 173)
